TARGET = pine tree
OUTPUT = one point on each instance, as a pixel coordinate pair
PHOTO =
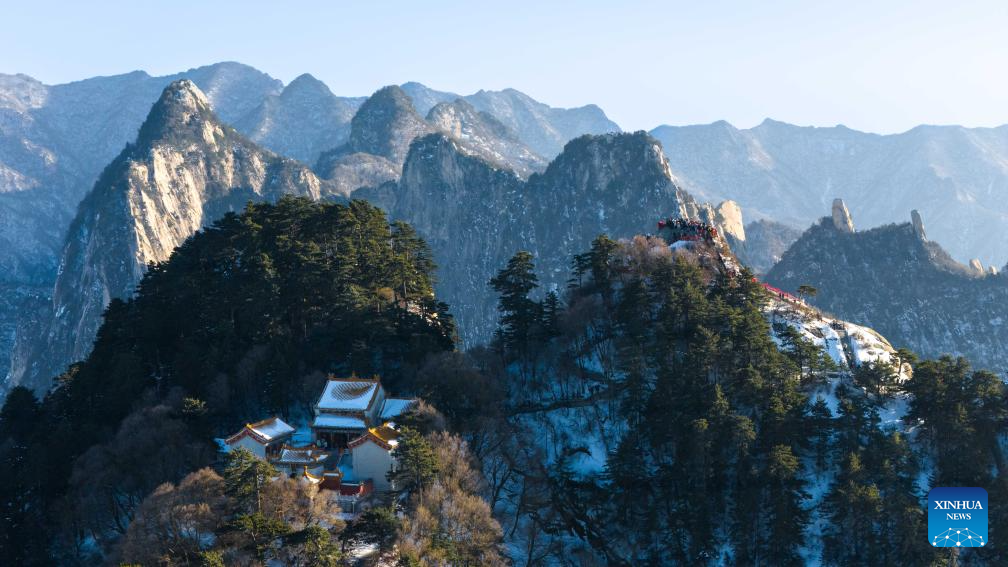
(821, 421)
(245, 476)
(520, 313)
(786, 519)
(854, 505)
(551, 312)
(417, 463)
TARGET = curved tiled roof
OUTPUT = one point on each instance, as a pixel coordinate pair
(265, 431)
(349, 394)
(384, 436)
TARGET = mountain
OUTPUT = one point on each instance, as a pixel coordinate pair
(302, 121)
(657, 371)
(56, 139)
(380, 134)
(54, 142)
(896, 280)
(185, 170)
(954, 176)
(387, 123)
(383, 126)
(543, 128)
(485, 135)
(475, 215)
(425, 98)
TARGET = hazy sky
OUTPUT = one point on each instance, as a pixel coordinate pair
(881, 66)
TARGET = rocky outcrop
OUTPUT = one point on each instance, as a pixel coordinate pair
(728, 216)
(385, 125)
(918, 225)
(977, 266)
(485, 136)
(841, 217)
(185, 170)
(380, 134)
(907, 288)
(476, 215)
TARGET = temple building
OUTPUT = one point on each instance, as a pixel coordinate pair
(264, 438)
(371, 456)
(293, 460)
(349, 407)
(354, 437)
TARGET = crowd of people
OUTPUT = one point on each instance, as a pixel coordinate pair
(687, 229)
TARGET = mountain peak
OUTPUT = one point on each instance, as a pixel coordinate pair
(385, 125)
(306, 83)
(184, 92)
(181, 106)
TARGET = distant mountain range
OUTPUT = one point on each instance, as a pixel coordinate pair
(956, 177)
(480, 175)
(897, 280)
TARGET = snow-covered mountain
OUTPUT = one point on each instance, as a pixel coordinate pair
(185, 170)
(897, 280)
(956, 177)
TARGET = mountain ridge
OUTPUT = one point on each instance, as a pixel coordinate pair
(185, 170)
(952, 174)
(897, 280)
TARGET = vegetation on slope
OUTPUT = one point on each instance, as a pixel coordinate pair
(651, 419)
(244, 320)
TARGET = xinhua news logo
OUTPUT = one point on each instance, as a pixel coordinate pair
(957, 517)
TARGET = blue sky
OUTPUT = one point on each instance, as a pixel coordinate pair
(876, 66)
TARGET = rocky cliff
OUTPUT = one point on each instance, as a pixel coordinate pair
(54, 142)
(903, 285)
(186, 169)
(476, 215)
(380, 134)
(485, 136)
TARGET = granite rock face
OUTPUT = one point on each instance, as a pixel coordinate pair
(485, 136)
(54, 142)
(728, 215)
(185, 170)
(476, 215)
(842, 220)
